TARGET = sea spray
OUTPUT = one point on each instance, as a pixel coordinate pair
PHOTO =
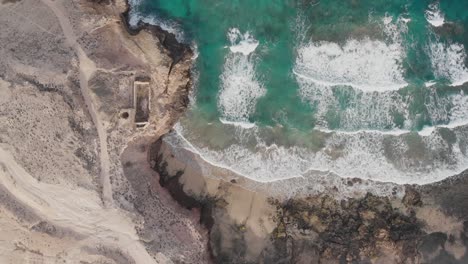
(240, 88)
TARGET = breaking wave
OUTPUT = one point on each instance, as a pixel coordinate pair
(367, 72)
(368, 65)
(434, 15)
(365, 124)
(240, 88)
(407, 158)
(448, 61)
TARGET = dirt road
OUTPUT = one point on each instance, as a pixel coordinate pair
(87, 69)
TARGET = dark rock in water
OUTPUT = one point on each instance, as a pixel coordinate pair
(412, 197)
(434, 251)
(450, 29)
(177, 50)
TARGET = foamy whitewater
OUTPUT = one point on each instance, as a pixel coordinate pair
(293, 91)
(434, 16)
(448, 62)
(366, 65)
(240, 88)
(362, 155)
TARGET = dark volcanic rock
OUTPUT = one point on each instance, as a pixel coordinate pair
(353, 230)
(177, 50)
(451, 194)
(171, 182)
(412, 197)
(322, 229)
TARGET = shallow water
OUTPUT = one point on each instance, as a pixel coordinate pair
(366, 89)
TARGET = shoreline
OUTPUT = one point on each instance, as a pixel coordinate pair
(224, 196)
(236, 210)
(175, 48)
(249, 221)
(250, 183)
(187, 146)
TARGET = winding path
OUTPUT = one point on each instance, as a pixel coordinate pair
(87, 69)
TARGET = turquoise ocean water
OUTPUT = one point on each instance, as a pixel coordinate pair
(360, 88)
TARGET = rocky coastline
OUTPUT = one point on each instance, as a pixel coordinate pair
(421, 227)
(82, 182)
(322, 228)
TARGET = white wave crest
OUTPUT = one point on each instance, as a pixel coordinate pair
(429, 83)
(368, 65)
(245, 125)
(372, 68)
(403, 158)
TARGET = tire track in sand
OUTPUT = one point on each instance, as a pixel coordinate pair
(87, 69)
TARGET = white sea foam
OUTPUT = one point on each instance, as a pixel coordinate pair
(394, 29)
(240, 88)
(406, 20)
(362, 110)
(368, 65)
(429, 83)
(366, 155)
(245, 125)
(434, 15)
(426, 131)
(313, 182)
(448, 61)
(242, 43)
(459, 111)
(170, 26)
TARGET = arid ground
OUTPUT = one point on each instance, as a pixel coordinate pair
(85, 177)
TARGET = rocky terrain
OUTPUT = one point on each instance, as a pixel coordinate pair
(68, 71)
(85, 177)
(422, 224)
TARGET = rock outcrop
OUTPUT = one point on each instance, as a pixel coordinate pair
(254, 226)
